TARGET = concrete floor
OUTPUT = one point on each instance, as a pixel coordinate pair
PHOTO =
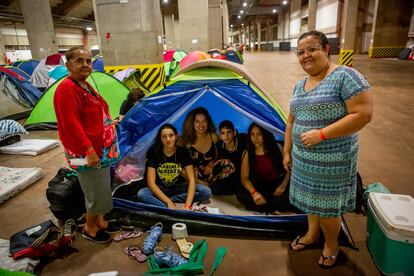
(386, 156)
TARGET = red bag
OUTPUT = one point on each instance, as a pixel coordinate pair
(37, 241)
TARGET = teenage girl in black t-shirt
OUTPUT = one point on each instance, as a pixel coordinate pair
(167, 164)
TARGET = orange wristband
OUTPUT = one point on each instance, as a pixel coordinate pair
(187, 205)
(323, 136)
(88, 152)
(253, 192)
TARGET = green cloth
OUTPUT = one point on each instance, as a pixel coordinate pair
(220, 252)
(195, 265)
(5, 272)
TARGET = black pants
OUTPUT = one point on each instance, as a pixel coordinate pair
(226, 186)
(273, 203)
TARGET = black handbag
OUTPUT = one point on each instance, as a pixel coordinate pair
(65, 195)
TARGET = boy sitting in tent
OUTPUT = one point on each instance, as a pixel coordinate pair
(227, 170)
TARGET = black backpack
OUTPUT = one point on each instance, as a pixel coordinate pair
(65, 195)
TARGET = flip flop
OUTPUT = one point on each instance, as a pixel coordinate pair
(305, 245)
(128, 235)
(136, 253)
(185, 247)
(331, 257)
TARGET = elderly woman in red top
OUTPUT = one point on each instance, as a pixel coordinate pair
(87, 133)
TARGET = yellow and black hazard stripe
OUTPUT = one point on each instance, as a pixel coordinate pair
(151, 75)
(345, 57)
(385, 52)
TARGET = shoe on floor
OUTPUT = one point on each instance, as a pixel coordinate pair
(154, 236)
(168, 259)
(81, 221)
(334, 258)
(69, 229)
(113, 227)
(101, 237)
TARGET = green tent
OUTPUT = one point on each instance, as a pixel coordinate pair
(172, 60)
(112, 90)
(134, 81)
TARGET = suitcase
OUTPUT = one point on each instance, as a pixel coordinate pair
(390, 233)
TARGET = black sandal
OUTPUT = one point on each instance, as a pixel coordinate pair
(305, 245)
(331, 257)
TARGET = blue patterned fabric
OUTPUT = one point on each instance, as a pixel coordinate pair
(10, 128)
(323, 180)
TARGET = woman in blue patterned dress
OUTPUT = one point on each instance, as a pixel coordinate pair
(328, 107)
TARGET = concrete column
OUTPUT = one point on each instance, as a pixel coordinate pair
(226, 25)
(240, 35)
(349, 24)
(280, 26)
(130, 33)
(215, 25)
(194, 25)
(312, 5)
(39, 25)
(253, 37)
(169, 31)
(295, 8)
(259, 35)
(249, 29)
(2, 51)
(177, 33)
(390, 27)
(286, 29)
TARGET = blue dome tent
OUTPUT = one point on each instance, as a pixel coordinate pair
(27, 66)
(17, 95)
(98, 64)
(228, 92)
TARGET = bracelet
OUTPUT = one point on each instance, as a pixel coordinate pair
(323, 136)
(253, 192)
(88, 152)
(187, 205)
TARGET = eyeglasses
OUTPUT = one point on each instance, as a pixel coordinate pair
(81, 61)
(309, 50)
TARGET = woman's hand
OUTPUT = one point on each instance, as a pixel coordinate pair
(280, 190)
(311, 138)
(287, 162)
(258, 199)
(93, 160)
(209, 168)
(171, 205)
(186, 207)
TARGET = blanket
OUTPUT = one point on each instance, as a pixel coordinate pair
(29, 147)
(14, 180)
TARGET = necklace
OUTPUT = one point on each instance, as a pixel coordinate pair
(85, 87)
(234, 147)
(174, 154)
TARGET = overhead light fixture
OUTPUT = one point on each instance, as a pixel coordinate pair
(244, 4)
(238, 16)
(242, 11)
(231, 26)
(284, 2)
(165, 1)
(274, 10)
(242, 24)
(89, 29)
